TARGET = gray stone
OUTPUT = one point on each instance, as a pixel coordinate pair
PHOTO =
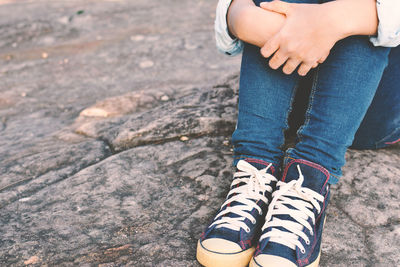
(145, 202)
(384, 244)
(137, 185)
(132, 102)
(343, 241)
(369, 189)
(209, 112)
(28, 171)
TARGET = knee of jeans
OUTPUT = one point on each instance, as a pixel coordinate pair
(362, 145)
(362, 142)
(389, 140)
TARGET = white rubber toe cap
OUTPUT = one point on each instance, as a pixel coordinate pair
(271, 261)
(220, 245)
(217, 252)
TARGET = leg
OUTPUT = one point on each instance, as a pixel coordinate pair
(381, 124)
(264, 103)
(343, 89)
(265, 99)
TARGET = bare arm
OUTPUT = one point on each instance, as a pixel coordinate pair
(300, 34)
(253, 24)
(357, 17)
(256, 25)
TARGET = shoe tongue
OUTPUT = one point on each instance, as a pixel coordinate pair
(260, 164)
(315, 176)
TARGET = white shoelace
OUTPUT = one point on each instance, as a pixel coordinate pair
(255, 184)
(298, 202)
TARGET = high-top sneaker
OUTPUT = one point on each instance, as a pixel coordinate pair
(291, 235)
(231, 237)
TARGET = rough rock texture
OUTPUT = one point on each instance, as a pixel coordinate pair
(114, 141)
(144, 206)
(200, 112)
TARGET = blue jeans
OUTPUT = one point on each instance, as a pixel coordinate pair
(381, 125)
(342, 90)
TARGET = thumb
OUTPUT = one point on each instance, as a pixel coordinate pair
(277, 6)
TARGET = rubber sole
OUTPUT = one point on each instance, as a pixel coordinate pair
(313, 264)
(212, 259)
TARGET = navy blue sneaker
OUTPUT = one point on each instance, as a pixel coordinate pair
(231, 237)
(291, 235)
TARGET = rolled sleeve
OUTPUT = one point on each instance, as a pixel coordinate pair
(225, 43)
(389, 23)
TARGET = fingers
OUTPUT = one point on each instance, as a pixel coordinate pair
(279, 55)
(305, 68)
(277, 6)
(277, 60)
(322, 60)
(291, 65)
(270, 47)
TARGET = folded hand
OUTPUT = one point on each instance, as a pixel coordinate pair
(308, 35)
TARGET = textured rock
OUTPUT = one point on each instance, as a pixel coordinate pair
(130, 103)
(369, 191)
(136, 185)
(343, 241)
(384, 243)
(31, 170)
(201, 112)
(145, 202)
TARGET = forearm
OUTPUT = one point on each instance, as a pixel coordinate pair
(253, 24)
(353, 17)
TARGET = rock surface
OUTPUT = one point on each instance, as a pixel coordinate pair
(114, 141)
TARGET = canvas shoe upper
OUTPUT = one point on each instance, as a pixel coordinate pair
(291, 235)
(230, 238)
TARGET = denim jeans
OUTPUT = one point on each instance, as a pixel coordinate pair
(342, 89)
(381, 125)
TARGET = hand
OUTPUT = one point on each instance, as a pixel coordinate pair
(306, 38)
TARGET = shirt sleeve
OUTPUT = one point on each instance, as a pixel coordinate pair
(225, 43)
(389, 23)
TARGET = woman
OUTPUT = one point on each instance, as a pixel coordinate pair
(275, 210)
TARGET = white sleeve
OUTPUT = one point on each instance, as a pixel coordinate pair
(225, 43)
(389, 23)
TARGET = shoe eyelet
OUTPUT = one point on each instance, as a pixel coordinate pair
(308, 242)
(303, 251)
(247, 230)
(254, 222)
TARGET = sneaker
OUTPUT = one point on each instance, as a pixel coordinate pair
(229, 240)
(291, 235)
